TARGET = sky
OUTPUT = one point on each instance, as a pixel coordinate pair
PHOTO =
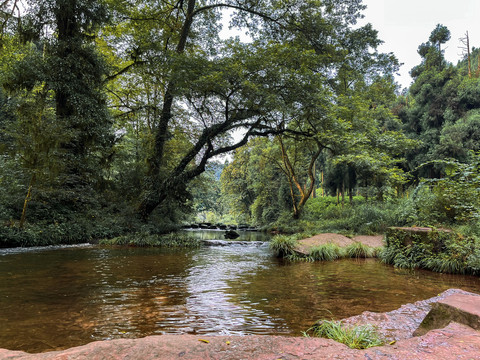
(404, 24)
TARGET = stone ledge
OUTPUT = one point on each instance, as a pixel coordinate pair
(459, 308)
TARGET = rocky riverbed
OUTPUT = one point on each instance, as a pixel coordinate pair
(456, 311)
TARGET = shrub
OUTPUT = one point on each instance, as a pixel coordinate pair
(436, 250)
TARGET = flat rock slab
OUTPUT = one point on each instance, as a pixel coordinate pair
(455, 341)
(305, 245)
(460, 308)
(402, 323)
(370, 240)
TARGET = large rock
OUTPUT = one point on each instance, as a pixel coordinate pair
(408, 235)
(231, 234)
(459, 308)
(455, 341)
(401, 323)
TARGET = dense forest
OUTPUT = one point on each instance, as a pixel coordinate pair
(121, 117)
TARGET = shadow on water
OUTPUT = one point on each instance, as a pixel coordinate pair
(63, 297)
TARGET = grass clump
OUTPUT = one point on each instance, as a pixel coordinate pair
(355, 337)
(359, 250)
(326, 252)
(283, 246)
(141, 239)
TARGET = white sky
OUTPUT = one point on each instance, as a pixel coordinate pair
(404, 24)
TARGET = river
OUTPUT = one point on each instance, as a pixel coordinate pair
(59, 297)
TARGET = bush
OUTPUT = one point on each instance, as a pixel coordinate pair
(436, 250)
(355, 337)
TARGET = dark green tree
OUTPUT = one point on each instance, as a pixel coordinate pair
(63, 127)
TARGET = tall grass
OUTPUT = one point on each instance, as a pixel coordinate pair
(283, 246)
(140, 239)
(326, 252)
(359, 250)
(355, 337)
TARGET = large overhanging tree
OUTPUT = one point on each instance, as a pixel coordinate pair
(212, 87)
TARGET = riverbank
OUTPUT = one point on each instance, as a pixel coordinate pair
(453, 340)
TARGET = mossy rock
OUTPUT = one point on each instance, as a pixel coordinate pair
(407, 236)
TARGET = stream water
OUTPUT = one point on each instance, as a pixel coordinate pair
(59, 297)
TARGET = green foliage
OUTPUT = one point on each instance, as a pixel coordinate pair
(283, 246)
(363, 217)
(359, 250)
(326, 252)
(437, 250)
(354, 336)
(82, 230)
(453, 198)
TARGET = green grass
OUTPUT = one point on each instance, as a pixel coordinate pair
(355, 337)
(140, 239)
(326, 252)
(359, 250)
(283, 245)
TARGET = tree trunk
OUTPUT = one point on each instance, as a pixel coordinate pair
(153, 195)
(27, 200)
(289, 171)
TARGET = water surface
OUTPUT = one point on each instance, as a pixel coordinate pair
(56, 298)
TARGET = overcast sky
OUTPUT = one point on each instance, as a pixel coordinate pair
(404, 24)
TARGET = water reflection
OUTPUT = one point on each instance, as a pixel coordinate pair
(219, 235)
(64, 297)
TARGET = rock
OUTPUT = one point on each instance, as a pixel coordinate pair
(401, 323)
(407, 235)
(460, 308)
(455, 341)
(306, 245)
(230, 234)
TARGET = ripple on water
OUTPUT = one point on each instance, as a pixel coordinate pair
(69, 296)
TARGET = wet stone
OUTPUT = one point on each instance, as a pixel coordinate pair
(460, 308)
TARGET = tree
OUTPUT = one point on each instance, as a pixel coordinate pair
(56, 77)
(225, 86)
(440, 35)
